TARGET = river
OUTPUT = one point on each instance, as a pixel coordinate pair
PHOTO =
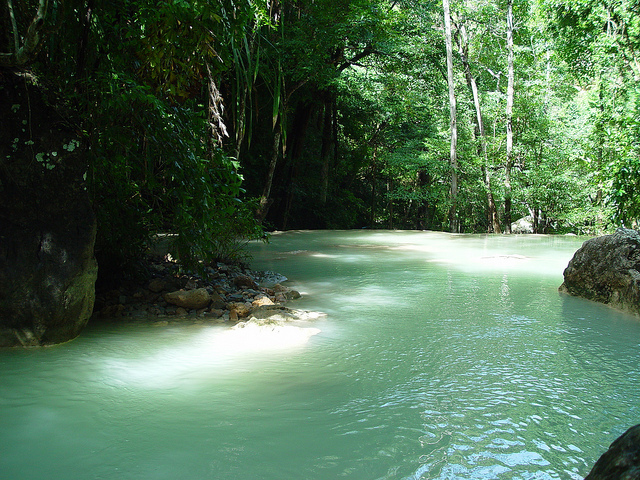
(439, 357)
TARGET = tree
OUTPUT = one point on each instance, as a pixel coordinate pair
(139, 82)
(453, 154)
(463, 47)
(599, 41)
(509, 114)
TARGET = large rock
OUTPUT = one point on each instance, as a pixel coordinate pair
(523, 225)
(607, 269)
(47, 227)
(189, 299)
(621, 461)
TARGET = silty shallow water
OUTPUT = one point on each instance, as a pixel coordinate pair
(440, 357)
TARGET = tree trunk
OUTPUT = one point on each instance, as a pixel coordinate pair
(265, 198)
(509, 112)
(454, 222)
(295, 148)
(326, 150)
(25, 53)
(492, 212)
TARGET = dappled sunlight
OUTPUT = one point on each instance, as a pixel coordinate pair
(207, 353)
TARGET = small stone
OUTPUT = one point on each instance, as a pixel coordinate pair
(181, 311)
(233, 316)
(292, 295)
(245, 281)
(260, 301)
(217, 301)
(242, 309)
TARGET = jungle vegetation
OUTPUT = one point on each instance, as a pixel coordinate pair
(218, 120)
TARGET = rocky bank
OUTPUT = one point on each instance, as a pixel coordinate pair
(221, 293)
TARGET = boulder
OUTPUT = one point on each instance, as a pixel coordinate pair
(47, 227)
(606, 269)
(621, 461)
(189, 299)
(523, 225)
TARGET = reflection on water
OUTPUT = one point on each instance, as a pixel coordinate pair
(441, 357)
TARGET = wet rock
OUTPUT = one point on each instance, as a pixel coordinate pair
(283, 294)
(241, 309)
(236, 297)
(274, 312)
(245, 281)
(269, 279)
(189, 299)
(216, 312)
(606, 269)
(292, 295)
(217, 301)
(621, 461)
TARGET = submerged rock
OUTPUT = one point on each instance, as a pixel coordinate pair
(621, 461)
(606, 269)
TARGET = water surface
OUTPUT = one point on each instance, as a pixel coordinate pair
(440, 357)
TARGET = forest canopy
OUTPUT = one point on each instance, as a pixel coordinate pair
(218, 120)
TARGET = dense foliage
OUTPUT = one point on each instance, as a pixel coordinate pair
(206, 118)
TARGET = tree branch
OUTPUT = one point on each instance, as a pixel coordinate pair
(14, 25)
(368, 50)
(25, 53)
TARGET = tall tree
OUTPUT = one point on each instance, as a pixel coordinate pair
(509, 115)
(454, 222)
(493, 224)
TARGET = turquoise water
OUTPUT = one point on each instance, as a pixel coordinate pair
(439, 357)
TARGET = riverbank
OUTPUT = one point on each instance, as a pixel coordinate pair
(221, 293)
